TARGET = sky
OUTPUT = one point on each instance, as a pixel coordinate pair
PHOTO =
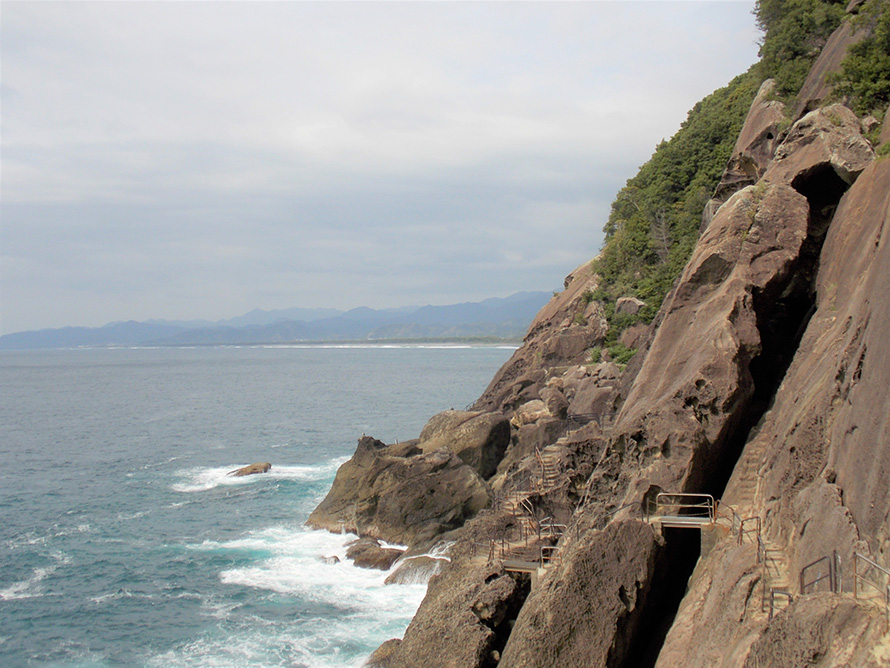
(183, 160)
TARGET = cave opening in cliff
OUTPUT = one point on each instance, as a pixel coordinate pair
(783, 311)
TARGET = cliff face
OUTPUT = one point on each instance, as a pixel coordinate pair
(762, 382)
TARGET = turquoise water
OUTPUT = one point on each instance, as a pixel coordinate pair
(124, 543)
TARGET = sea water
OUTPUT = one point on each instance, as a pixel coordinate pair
(123, 541)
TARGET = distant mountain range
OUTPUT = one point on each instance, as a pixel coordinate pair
(500, 318)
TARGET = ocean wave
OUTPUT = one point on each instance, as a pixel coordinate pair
(30, 587)
(202, 479)
(294, 568)
(299, 561)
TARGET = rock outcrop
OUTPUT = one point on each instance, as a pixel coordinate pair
(561, 335)
(400, 494)
(479, 439)
(369, 553)
(251, 469)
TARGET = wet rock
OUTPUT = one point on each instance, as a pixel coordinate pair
(416, 570)
(461, 622)
(251, 469)
(369, 553)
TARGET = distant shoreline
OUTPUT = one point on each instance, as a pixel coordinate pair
(481, 341)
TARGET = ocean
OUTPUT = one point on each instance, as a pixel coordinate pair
(124, 543)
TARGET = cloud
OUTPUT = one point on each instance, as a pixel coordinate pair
(201, 159)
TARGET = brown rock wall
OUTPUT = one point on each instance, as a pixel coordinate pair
(585, 611)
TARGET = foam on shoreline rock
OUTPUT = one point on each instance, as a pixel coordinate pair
(251, 469)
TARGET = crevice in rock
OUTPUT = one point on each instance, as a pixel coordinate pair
(504, 626)
(783, 312)
(658, 606)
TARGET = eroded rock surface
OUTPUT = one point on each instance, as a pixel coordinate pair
(399, 494)
(479, 439)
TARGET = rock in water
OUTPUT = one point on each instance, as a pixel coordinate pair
(258, 467)
(369, 553)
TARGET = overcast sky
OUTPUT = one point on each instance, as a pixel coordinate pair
(198, 160)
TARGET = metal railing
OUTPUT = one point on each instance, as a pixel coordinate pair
(679, 509)
(745, 530)
(773, 593)
(549, 555)
(861, 577)
(827, 574)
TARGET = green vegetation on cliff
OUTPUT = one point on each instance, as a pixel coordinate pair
(794, 32)
(655, 219)
(865, 73)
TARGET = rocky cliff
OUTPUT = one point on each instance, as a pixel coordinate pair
(721, 500)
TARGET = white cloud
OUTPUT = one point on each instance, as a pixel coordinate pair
(457, 150)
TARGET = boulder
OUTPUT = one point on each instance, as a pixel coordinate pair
(403, 500)
(530, 412)
(828, 138)
(251, 469)
(461, 622)
(479, 439)
(695, 384)
(369, 553)
(755, 146)
(633, 336)
(629, 305)
(555, 401)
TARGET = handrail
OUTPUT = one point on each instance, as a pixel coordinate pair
(772, 599)
(734, 518)
(758, 528)
(548, 558)
(707, 506)
(804, 584)
(857, 576)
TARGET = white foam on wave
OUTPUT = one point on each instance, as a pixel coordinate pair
(357, 610)
(30, 587)
(202, 479)
(299, 563)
